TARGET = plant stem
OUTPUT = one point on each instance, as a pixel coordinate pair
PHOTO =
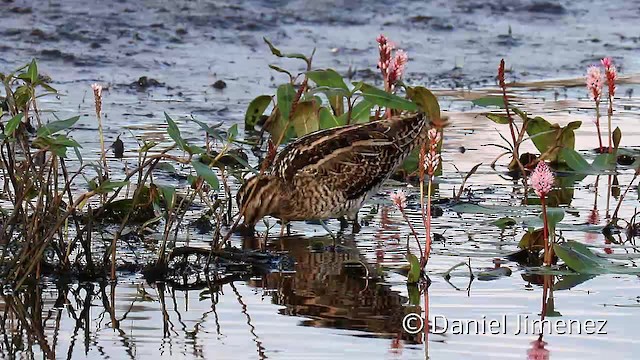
(615, 213)
(427, 247)
(598, 124)
(609, 116)
(545, 232)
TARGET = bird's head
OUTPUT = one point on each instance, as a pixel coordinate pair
(258, 197)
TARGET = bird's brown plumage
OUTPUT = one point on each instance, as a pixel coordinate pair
(331, 173)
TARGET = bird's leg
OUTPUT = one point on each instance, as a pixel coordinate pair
(354, 220)
(324, 225)
(344, 223)
(283, 225)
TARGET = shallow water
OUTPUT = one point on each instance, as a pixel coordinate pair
(320, 311)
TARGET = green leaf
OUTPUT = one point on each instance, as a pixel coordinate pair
(554, 216)
(306, 120)
(361, 113)
(174, 133)
(329, 78)
(605, 162)
(285, 95)
(56, 126)
(383, 98)
(206, 173)
(12, 124)
(109, 185)
(425, 100)
(330, 92)
(579, 258)
(575, 161)
(504, 222)
(57, 144)
(232, 133)
(497, 118)
(414, 294)
(275, 51)
(255, 110)
(617, 137)
(491, 100)
(32, 71)
(168, 192)
(554, 139)
(414, 271)
(211, 130)
(327, 120)
(280, 70)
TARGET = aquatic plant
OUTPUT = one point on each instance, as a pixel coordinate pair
(611, 74)
(549, 139)
(50, 222)
(542, 182)
(594, 86)
(430, 160)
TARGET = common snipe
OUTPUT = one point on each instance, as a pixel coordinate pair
(331, 173)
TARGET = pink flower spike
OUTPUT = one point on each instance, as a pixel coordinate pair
(594, 82)
(611, 74)
(542, 179)
(399, 198)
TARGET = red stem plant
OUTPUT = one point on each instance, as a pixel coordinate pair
(594, 86)
(542, 183)
(611, 74)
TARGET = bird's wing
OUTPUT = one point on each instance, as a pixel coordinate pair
(357, 169)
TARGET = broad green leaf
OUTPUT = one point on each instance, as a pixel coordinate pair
(327, 120)
(361, 113)
(504, 222)
(206, 173)
(13, 124)
(109, 185)
(255, 110)
(168, 192)
(605, 162)
(232, 133)
(497, 118)
(414, 271)
(491, 100)
(532, 240)
(174, 133)
(56, 126)
(575, 161)
(305, 120)
(330, 92)
(285, 95)
(425, 100)
(383, 98)
(554, 216)
(414, 294)
(556, 137)
(617, 137)
(579, 258)
(329, 78)
(57, 144)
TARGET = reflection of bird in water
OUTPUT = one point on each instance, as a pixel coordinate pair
(331, 173)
